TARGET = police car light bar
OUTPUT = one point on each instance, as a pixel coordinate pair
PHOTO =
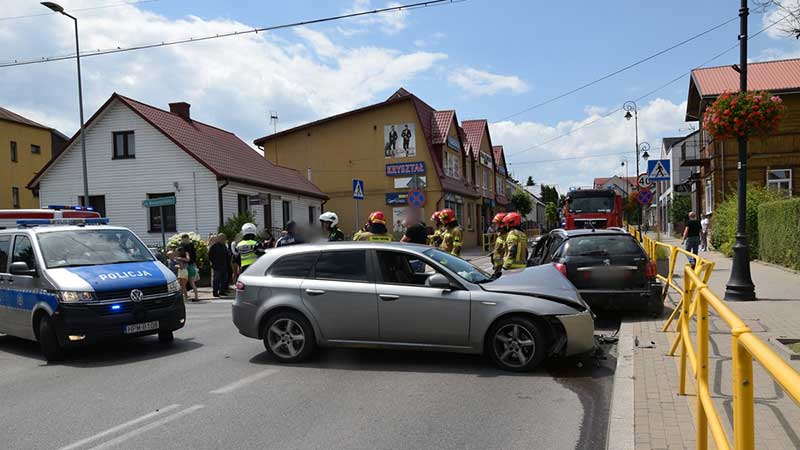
(35, 222)
(73, 207)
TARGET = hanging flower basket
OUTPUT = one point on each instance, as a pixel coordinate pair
(742, 115)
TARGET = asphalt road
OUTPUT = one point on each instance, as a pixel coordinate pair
(214, 389)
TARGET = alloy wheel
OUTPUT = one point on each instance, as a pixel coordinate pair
(286, 338)
(514, 345)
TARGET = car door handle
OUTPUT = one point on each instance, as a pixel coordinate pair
(388, 297)
(314, 291)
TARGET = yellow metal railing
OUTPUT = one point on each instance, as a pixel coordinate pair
(696, 299)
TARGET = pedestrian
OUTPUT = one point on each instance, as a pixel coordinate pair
(691, 236)
(218, 257)
(376, 232)
(289, 236)
(704, 228)
(181, 263)
(191, 254)
(235, 262)
(415, 231)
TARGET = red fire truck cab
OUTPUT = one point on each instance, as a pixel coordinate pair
(592, 208)
(9, 217)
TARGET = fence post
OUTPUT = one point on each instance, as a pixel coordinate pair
(743, 402)
(702, 370)
(683, 321)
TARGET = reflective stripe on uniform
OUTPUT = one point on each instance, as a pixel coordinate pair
(516, 250)
(247, 252)
(499, 250)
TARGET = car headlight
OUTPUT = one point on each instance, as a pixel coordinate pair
(173, 286)
(75, 296)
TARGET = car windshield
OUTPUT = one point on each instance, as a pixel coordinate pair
(591, 204)
(464, 269)
(91, 247)
(600, 245)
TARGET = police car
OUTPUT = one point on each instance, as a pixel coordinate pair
(69, 281)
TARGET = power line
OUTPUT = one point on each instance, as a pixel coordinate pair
(672, 81)
(18, 62)
(112, 5)
(618, 71)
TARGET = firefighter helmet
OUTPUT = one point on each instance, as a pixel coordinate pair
(513, 219)
(498, 218)
(447, 215)
(377, 217)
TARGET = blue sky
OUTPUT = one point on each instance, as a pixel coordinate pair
(486, 59)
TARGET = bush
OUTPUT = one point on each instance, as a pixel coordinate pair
(199, 245)
(779, 232)
(723, 228)
(233, 225)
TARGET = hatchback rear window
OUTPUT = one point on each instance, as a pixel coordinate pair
(294, 266)
(601, 245)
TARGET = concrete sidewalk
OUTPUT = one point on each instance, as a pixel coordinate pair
(665, 420)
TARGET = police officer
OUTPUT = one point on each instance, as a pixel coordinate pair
(248, 248)
(451, 234)
(289, 237)
(499, 242)
(435, 239)
(516, 256)
(377, 231)
(330, 221)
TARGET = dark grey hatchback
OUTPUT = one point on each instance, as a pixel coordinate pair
(607, 266)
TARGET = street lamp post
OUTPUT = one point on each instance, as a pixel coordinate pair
(628, 107)
(624, 164)
(55, 7)
(740, 285)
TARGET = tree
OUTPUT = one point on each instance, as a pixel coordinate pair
(549, 194)
(521, 202)
(788, 12)
(681, 205)
(530, 182)
(551, 214)
(233, 225)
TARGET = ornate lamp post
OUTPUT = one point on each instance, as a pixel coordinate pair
(630, 106)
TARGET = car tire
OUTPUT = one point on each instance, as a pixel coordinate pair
(166, 337)
(48, 341)
(516, 344)
(289, 337)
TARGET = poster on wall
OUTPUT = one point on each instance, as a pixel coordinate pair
(399, 214)
(399, 140)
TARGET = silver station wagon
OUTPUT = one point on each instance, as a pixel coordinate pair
(406, 296)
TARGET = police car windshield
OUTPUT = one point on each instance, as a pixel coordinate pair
(464, 269)
(91, 247)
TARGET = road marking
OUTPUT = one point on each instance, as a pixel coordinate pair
(147, 428)
(244, 381)
(120, 427)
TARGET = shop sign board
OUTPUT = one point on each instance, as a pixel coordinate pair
(405, 169)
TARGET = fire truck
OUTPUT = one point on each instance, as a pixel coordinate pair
(592, 208)
(9, 217)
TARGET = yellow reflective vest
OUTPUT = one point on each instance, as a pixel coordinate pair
(516, 250)
(499, 250)
(435, 239)
(451, 241)
(247, 252)
(373, 237)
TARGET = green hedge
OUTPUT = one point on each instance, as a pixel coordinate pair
(779, 232)
(723, 225)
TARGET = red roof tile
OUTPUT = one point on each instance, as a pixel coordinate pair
(778, 75)
(440, 125)
(220, 151)
(474, 129)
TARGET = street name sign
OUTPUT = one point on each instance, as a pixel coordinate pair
(160, 201)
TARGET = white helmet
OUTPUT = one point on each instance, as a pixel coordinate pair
(329, 217)
(249, 228)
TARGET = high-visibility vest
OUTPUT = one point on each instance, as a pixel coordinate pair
(335, 235)
(499, 250)
(374, 237)
(247, 252)
(435, 239)
(516, 250)
(451, 241)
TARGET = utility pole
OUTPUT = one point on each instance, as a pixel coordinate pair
(740, 285)
(273, 117)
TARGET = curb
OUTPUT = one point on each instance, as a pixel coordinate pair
(620, 418)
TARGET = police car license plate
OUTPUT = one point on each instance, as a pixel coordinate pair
(139, 327)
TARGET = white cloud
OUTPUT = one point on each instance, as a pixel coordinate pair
(389, 22)
(657, 119)
(480, 82)
(779, 31)
(230, 82)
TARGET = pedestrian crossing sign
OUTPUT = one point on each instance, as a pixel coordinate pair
(658, 170)
(358, 189)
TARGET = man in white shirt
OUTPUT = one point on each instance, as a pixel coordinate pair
(704, 233)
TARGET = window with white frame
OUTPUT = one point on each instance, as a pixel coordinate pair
(709, 196)
(452, 165)
(780, 180)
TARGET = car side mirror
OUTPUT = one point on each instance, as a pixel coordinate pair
(21, 268)
(439, 281)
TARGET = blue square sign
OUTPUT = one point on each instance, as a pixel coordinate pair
(658, 169)
(358, 189)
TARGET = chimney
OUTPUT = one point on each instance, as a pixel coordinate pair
(181, 109)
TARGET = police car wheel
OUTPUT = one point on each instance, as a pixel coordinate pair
(289, 337)
(165, 337)
(48, 341)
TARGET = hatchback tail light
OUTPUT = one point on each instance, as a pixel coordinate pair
(651, 269)
(561, 268)
(240, 286)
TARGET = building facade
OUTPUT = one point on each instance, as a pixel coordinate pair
(25, 147)
(398, 147)
(137, 152)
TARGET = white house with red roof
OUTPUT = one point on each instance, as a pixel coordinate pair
(136, 152)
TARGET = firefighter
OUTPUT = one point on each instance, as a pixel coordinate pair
(435, 239)
(516, 256)
(330, 223)
(451, 235)
(499, 242)
(377, 231)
